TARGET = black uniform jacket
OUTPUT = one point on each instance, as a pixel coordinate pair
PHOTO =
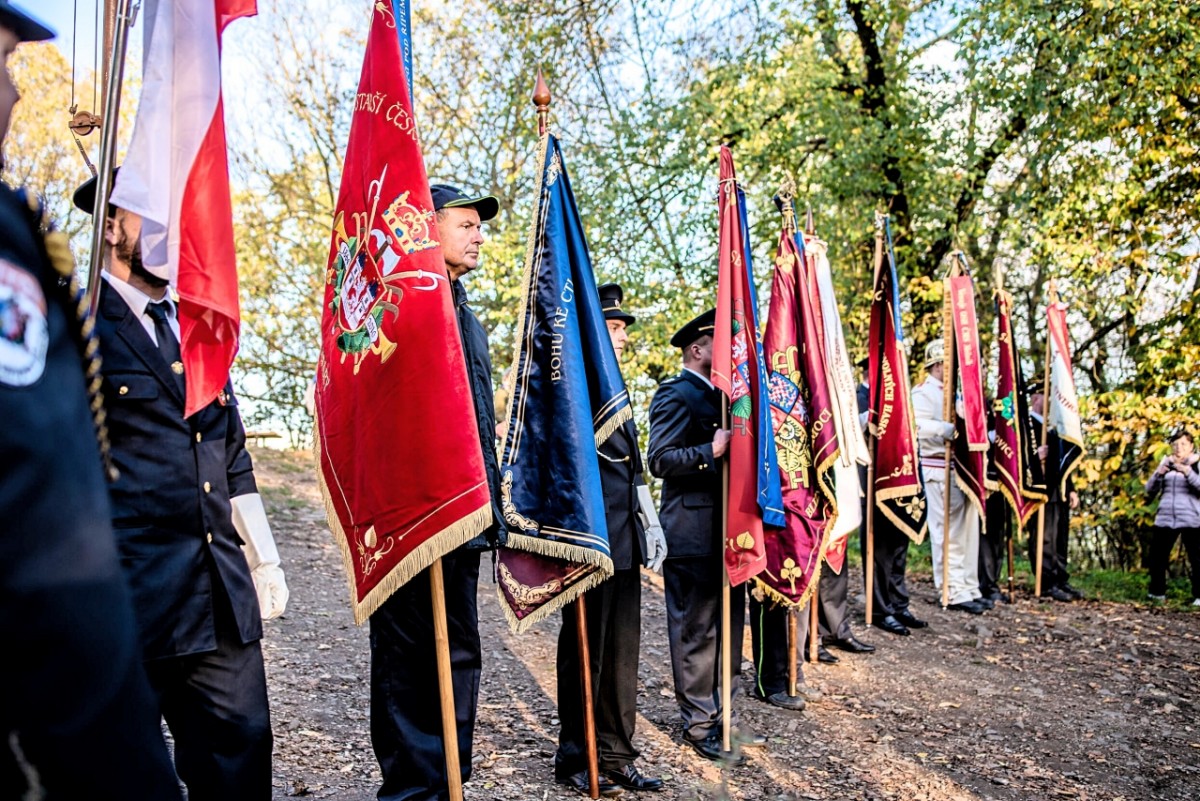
(53, 499)
(620, 476)
(170, 507)
(684, 415)
(479, 373)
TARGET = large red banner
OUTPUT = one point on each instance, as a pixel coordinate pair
(806, 442)
(397, 442)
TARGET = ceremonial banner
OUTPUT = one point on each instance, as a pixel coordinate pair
(568, 398)
(176, 177)
(960, 290)
(898, 490)
(396, 437)
(738, 371)
(805, 438)
(963, 379)
(1018, 470)
(843, 396)
(1062, 406)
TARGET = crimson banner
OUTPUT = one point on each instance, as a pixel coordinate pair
(1018, 470)
(396, 439)
(806, 442)
(899, 493)
(739, 372)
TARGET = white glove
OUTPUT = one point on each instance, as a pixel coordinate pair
(250, 520)
(948, 431)
(656, 540)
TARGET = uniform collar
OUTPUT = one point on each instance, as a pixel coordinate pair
(707, 383)
(136, 299)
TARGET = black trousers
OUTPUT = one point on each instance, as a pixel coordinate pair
(890, 588)
(406, 716)
(768, 631)
(1054, 551)
(692, 586)
(77, 708)
(833, 609)
(993, 545)
(614, 620)
(1162, 542)
(215, 704)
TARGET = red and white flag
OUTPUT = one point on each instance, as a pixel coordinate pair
(176, 177)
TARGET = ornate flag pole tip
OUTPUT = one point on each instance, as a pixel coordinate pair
(810, 227)
(541, 99)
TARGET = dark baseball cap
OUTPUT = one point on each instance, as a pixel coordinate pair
(24, 26)
(446, 196)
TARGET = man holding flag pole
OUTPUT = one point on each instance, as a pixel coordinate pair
(404, 368)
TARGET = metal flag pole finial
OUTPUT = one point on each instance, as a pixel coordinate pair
(810, 226)
(787, 194)
(542, 99)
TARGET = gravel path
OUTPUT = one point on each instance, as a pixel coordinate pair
(1085, 701)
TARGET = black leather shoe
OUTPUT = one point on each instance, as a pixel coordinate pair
(1058, 594)
(823, 656)
(1073, 592)
(631, 778)
(792, 703)
(853, 645)
(967, 606)
(579, 783)
(747, 739)
(909, 619)
(986, 603)
(892, 626)
(710, 748)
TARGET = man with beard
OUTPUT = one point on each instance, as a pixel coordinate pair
(77, 719)
(191, 528)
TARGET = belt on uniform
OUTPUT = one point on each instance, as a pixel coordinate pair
(934, 463)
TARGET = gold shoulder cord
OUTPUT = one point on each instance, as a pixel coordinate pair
(58, 252)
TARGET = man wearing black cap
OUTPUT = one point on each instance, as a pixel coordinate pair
(77, 718)
(614, 609)
(686, 442)
(406, 718)
(193, 534)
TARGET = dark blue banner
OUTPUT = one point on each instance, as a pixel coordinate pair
(567, 398)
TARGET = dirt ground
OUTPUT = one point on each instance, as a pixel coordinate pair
(1084, 701)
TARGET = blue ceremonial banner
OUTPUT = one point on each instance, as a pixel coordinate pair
(402, 9)
(567, 397)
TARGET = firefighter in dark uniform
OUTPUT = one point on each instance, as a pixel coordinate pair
(686, 445)
(613, 608)
(193, 537)
(406, 717)
(77, 719)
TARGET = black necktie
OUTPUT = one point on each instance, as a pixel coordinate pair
(168, 346)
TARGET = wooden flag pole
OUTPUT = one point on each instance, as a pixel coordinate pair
(726, 604)
(949, 385)
(441, 638)
(541, 101)
(1012, 598)
(1051, 297)
(869, 523)
(814, 634)
(589, 706)
(793, 634)
(869, 517)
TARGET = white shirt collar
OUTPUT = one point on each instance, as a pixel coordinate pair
(698, 375)
(136, 299)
